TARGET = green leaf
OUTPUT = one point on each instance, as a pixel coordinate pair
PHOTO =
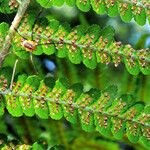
(58, 2)
(108, 32)
(4, 27)
(37, 33)
(130, 63)
(12, 101)
(146, 69)
(145, 136)
(114, 48)
(26, 101)
(49, 49)
(120, 105)
(87, 117)
(112, 8)
(55, 95)
(38, 51)
(89, 55)
(139, 15)
(45, 3)
(101, 54)
(103, 44)
(105, 100)
(123, 104)
(71, 96)
(20, 52)
(83, 5)
(125, 10)
(74, 52)
(99, 6)
(60, 34)
(144, 116)
(144, 119)
(118, 127)
(144, 64)
(102, 121)
(70, 2)
(133, 131)
(36, 146)
(103, 124)
(40, 105)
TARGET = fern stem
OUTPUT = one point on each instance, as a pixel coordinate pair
(21, 11)
(13, 74)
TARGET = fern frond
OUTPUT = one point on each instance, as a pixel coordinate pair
(100, 110)
(127, 9)
(88, 45)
